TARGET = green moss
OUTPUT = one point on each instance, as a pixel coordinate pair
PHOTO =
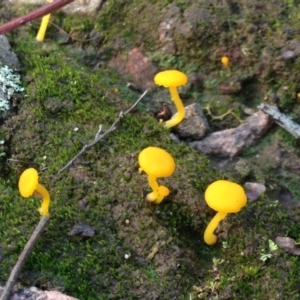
(63, 94)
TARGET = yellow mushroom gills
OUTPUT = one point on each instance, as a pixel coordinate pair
(29, 185)
(172, 79)
(224, 197)
(156, 162)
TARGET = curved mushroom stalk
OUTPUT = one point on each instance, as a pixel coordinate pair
(159, 192)
(180, 108)
(42, 191)
(43, 27)
(209, 236)
(154, 186)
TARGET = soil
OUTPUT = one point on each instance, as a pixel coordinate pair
(140, 250)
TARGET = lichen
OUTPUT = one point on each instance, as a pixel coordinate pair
(10, 83)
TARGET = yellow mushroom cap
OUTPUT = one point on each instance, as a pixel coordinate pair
(156, 162)
(170, 78)
(225, 60)
(225, 196)
(28, 182)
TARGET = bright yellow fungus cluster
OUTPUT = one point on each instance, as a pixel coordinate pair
(223, 196)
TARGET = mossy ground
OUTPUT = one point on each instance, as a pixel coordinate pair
(63, 93)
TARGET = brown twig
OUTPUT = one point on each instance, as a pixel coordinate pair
(99, 136)
(23, 257)
(34, 15)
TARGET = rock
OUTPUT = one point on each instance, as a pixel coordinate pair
(254, 190)
(35, 294)
(78, 7)
(167, 26)
(230, 142)
(82, 229)
(288, 54)
(195, 14)
(174, 138)
(294, 45)
(194, 124)
(137, 66)
(83, 7)
(7, 57)
(231, 87)
(54, 295)
(287, 244)
(141, 68)
(83, 204)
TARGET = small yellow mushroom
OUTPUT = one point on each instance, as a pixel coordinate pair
(225, 197)
(172, 79)
(29, 185)
(156, 162)
(225, 61)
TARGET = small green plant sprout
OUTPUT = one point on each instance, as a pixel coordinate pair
(274, 204)
(29, 185)
(172, 79)
(224, 197)
(43, 27)
(156, 162)
(250, 271)
(264, 255)
(217, 261)
(225, 244)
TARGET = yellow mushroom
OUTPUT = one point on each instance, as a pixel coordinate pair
(29, 185)
(224, 197)
(156, 162)
(225, 61)
(43, 27)
(172, 79)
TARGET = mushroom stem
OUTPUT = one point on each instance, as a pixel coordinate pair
(209, 236)
(41, 190)
(43, 27)
(154, 186)
(179, 105)
(42, 31)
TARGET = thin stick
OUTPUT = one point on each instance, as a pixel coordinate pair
(23, 257)
(34, 15)
(281, 119)
(99, 137)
